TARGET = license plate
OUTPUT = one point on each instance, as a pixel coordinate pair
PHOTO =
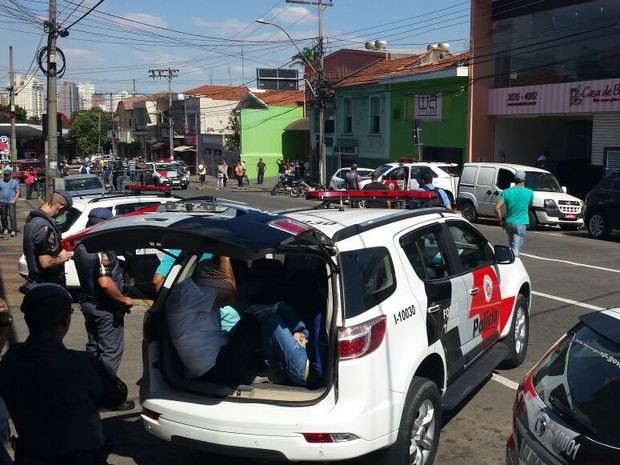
(570, 217)
(528, 457)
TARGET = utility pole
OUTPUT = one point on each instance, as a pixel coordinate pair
(168, 74)
(51, 147)
(12, 95)
(322, 159)
(242, 67)
(99, 132)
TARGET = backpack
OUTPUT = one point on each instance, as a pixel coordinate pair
(437, 200)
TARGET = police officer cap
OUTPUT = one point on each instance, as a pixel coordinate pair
(65, 195)
(46, 304)
(8, 171)
(100, 213)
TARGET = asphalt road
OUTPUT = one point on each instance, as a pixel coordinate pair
(571, 275)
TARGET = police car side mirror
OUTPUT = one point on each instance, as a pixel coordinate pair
(564, 189)
(504, 255)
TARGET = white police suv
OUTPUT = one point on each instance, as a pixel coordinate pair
(408, 311)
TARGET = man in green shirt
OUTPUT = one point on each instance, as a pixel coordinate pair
(518, 200)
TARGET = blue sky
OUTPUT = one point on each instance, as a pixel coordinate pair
(122, 39)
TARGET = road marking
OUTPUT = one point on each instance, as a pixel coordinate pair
(505, 381)
(583, 265)
(568, 301)
(547, 234)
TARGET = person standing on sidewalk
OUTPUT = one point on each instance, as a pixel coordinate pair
(103, 304)
(44, 257)
(518, 200)
(9, 193)
(52, 393)
(30, 181)
(202, 175)
(239, 173)
(260, 169)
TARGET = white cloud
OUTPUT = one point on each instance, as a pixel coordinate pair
(146, 18)
(228, 26)
(293, 14)
(82, 55)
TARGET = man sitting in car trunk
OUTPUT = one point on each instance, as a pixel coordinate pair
(206, 350)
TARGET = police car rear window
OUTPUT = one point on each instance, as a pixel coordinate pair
(368, 279)
(580, 381)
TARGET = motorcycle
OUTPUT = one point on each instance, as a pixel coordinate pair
(303, 188)
(285, 185)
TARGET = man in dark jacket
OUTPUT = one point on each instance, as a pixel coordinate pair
(44, 257)
(52, 393)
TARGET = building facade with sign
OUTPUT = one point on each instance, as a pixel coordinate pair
(408, 107)
(545, 79)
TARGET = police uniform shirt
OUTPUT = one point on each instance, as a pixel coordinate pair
(54, 394)
(41, 237)
(92, 266)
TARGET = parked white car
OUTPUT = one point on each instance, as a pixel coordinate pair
(337, 182)
(374, 285)
(445, 176)
(481, 184)
(77, 217)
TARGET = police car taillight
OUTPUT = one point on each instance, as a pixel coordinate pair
(361, 339)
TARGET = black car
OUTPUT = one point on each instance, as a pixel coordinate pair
(567, 409)
(603, 207)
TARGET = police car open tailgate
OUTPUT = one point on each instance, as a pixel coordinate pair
(248, 234)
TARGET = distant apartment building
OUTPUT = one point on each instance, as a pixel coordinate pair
(108, 101)
(4, 98)
(69, 98)
(30, 95)
(85, 95)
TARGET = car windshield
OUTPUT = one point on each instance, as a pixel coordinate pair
(82, 184)
(580, 379)
(543, 182)
(364, 172)
(383, 169)
(167, 167)
(452, 170)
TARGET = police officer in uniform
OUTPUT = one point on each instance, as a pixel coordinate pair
(103, 303)
(52, 393)
(41, 243)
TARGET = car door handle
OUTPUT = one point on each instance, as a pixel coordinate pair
(433, 308)
(474, 290)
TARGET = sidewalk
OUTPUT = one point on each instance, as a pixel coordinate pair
(231, 184)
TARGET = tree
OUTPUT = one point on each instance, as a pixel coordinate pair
(233, 139)
(307, 54)
(89, 130)
(5, 114)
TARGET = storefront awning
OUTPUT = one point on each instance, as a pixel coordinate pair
(302, 124)
(184, 148)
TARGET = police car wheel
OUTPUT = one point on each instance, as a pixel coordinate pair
(420, 424)
(519, 335)
(533, 219)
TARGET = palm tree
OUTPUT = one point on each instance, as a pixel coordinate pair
(307, 54)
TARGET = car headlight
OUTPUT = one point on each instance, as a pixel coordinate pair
(550, 203)
(163, 178)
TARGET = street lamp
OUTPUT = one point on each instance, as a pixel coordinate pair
(318, 93)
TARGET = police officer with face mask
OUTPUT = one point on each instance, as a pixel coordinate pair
(44, 257)
(103, 304)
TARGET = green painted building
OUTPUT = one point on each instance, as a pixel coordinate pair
(269, 130)
(379, 108)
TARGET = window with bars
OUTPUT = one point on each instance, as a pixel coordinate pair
(375, 114)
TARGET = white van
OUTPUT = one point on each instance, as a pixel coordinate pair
(481, 183)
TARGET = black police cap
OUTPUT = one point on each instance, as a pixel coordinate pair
(46, 304)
